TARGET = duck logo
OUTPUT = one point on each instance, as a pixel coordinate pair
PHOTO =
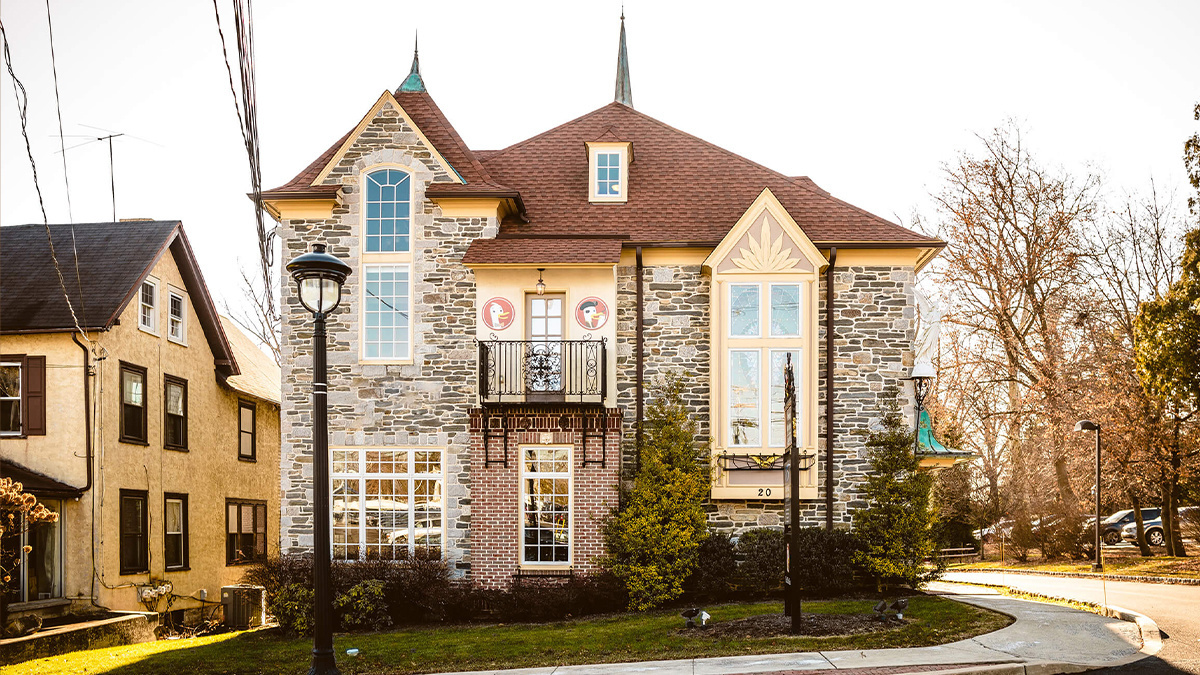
(591, 313)
(498, 313)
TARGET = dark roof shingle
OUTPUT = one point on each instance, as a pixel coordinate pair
(543, 250)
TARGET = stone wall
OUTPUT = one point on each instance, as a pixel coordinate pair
(423, 404)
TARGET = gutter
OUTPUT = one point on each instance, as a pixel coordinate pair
(640, 350)
(829, 354)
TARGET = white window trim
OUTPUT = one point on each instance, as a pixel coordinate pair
(362, 476)
(362, 318)
(758, 352)
(183, 564)
(729, 310)
(18, 398)
(571, 514)
(771, 311)
(599, 149)
(153, 327)
(412, 212)
(183, 319)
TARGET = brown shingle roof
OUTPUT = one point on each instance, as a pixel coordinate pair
(680, 188)
(543, 250)
(260, 376)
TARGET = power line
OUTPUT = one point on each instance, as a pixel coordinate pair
(22, 97)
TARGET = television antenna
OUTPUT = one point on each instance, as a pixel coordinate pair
(108, 137)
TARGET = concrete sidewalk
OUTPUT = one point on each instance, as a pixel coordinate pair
(1045, 639)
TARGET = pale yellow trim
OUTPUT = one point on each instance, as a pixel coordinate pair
(937, 463)
(385, 98)
(623, 149)
(868, 257)
(282, 208)
(664, 256)
(470, 207)
(778, 493)
(535, 266)
(391, 257)
(926, 257)
(766, 201)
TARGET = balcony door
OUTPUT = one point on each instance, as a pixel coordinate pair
(544, 352)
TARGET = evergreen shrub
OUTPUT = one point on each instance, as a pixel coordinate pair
(763, 553)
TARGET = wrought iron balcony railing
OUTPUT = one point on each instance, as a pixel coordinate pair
(532, 371)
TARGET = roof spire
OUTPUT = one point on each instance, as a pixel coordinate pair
(414, 82)
(624, 94)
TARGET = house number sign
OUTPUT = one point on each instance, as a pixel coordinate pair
(498, 313)
(591, 313)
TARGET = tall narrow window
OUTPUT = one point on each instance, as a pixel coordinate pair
(608, 174)
(176, 318)
(148, 306)
(175, 531)
(387, 502)
(175, 413)
(744, 310)
(386, 291)
(745, 392)
(245, 531)
(388, 204)
(10, 397)
(247, 448)
(546, 505)
(135, 557)
(36, 551)
(778, 432)
(133, 403)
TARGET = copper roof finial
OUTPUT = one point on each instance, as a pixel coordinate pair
(624, 92)
(414, 82)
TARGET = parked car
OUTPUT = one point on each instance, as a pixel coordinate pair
(1115, 524)
(1154, 528)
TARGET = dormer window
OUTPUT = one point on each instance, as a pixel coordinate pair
(608, 171)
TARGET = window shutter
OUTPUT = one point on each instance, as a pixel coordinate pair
(34, 389)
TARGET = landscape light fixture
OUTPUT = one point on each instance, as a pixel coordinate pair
(541, 285)
(319, 277)
(1088, 425)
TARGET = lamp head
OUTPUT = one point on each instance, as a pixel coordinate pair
(319, 277)
(541, 285)
(1086, 425)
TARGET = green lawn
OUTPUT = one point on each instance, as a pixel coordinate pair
(426, 649)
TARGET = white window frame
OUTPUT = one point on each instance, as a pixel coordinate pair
(622, 151)
(798, 372)
(182, 533)
(729, 310)
(770, 311)
(152, 327)
(571, 515)
(366, 204)
(173, 294)
(19, 398)
(758, 352)
(361, 475)
(407, 357)
(23, 567)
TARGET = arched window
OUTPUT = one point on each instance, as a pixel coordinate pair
(388, 211)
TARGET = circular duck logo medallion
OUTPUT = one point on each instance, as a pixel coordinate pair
(498, 313)
(591, 313)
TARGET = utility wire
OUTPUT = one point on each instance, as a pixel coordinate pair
(23, 108)
(66, 181)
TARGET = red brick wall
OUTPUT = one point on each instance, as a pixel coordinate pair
(496, 488)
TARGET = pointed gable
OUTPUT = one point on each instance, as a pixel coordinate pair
(765, 240)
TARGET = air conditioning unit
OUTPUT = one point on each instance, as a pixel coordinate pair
(245, 606)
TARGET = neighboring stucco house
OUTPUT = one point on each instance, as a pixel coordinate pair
(152, 428)
(509, 310)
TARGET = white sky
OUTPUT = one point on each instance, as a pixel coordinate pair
(867, 98)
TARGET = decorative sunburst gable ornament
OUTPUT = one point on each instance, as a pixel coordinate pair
(764, 255)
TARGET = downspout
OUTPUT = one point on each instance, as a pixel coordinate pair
(639, 347)
(829, 434)
(87, 411)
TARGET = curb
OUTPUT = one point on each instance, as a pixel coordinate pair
(1182, 581)
(1151, 637)
(1030, 668)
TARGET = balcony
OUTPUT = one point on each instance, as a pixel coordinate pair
(532, 371)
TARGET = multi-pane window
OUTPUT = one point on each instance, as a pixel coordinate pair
(39, 569)
(245, 531)
(608, 174)
(176, 317)
(387, 502)
(10, 398)
(148, 306)
(175, 413)
(546, 504)
(135, 525)
(133, 403)
(388, 203)
(386, 312)
(246, 434)
(175, 531)
(756, 364)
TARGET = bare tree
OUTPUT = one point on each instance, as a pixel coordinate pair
(258, 316)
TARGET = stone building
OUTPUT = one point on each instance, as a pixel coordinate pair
(510, 311)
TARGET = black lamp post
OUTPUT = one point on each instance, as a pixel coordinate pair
(1088, 425)
(319, 277)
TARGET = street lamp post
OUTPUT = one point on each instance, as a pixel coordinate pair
(1088, 425)
(319, 277)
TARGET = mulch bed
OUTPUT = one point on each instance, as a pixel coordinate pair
(778, 625)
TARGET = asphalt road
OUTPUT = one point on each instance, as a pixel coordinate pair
(1176, 610)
